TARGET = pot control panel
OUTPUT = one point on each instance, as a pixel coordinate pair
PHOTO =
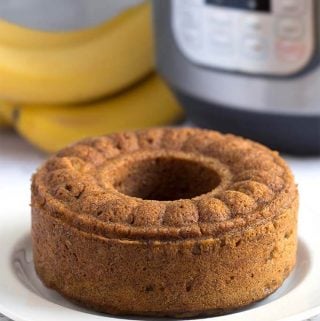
(274, 37)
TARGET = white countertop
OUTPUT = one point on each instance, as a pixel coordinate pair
(18, 160)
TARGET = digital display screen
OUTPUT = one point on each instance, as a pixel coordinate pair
(253, 5)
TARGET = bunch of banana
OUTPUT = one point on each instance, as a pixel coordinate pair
(147, 104)
(67, 67)
(56, 88)
(3, 122)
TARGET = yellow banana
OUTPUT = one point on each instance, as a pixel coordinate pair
(147, 104)
(68, 67)
(3, 122)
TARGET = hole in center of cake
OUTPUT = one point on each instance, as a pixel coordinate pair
(165, 179)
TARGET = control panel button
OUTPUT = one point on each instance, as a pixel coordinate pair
(221, 44)
(252, 24)
(189, 19)
(255, 47)
(219, 18)
(184, 3)
(289, 28)
(190, 25)
(290, 51)
(192, 38)
(290, 7)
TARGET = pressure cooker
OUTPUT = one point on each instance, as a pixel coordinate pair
(248, 67)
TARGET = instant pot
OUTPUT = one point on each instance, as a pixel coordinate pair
(249, 67)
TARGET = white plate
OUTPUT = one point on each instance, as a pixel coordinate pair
(24, 298)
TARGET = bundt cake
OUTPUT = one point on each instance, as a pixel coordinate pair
(164, 222)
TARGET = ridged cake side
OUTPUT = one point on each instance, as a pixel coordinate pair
(165, 278)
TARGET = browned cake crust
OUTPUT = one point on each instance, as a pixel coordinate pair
(166, 222)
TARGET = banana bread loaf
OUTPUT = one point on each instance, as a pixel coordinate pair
(164, 222)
